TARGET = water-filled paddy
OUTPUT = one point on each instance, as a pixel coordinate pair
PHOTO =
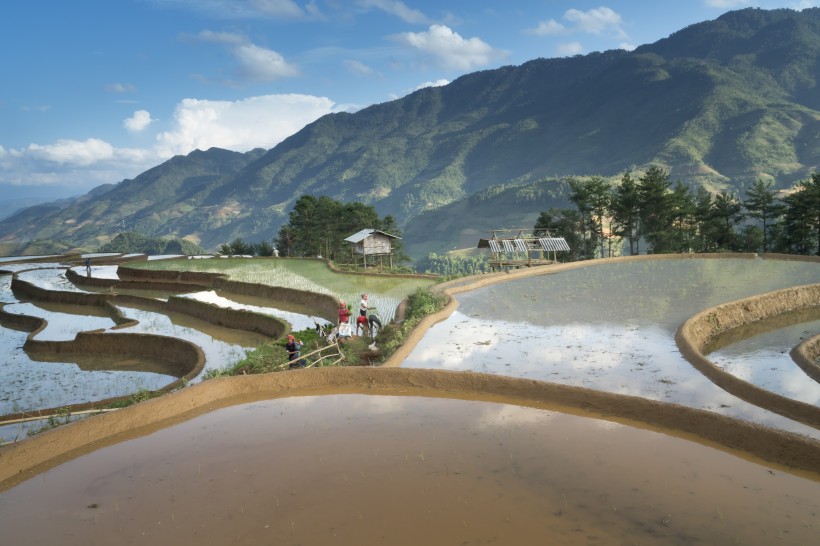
(352, 469)
(607, 327)
(27, 383)
(764, 360)
(298, 319)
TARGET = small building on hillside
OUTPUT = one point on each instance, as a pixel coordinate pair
(372, 242)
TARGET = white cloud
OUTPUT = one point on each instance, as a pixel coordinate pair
(437, 83)
(238, 9)
(255, 122)
(222, 37)
(596, 21)
(138, 122)
(359, 68)
(260, 64)
(394, 7)
(547, 28)
(570, 49)
(255, 63)
(72, 152)
(626, 46)
(448, 50)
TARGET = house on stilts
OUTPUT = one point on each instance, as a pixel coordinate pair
(372, 243)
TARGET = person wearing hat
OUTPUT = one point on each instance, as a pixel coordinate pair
(293, 347)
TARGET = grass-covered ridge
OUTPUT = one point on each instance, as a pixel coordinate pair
(385, 291)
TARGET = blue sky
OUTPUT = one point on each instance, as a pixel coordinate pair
(96, 91)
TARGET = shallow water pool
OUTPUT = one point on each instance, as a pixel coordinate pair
(354, 469)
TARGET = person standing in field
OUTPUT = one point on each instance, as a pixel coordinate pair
(363, 306)
(344, 312)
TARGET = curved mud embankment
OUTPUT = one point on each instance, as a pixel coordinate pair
(700, 332)
(175, 357)
(787, 451)
(807, 356)
(322, 305)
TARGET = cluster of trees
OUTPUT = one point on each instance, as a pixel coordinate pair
(238, 247)
(130, 242)
(454, 266)
(669, 218)
(318, 226)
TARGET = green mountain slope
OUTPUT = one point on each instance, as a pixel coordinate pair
(719, 104)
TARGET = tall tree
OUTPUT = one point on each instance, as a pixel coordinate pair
(682, 214)
(702, 199)
(625, 209)
(726, 214)
(802, 217)
(655, 208)
(762, 204)
(564, 223)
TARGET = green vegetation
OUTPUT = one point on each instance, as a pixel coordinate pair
(450, 265)
(319, 226)
(420, 304)
(134, 243)
(676, 219)
(61, 417)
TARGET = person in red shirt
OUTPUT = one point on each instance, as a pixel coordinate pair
(344, 312)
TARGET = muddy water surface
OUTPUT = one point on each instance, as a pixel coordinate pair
(351, 469)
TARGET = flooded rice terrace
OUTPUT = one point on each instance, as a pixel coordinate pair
(360, 469)
(29, 383)
(355, 469)
(611, 327)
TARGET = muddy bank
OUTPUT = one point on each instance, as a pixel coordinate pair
(321, 305)
(698, 334)
(239, 319)
(807, 356)
(787, 451)
(143, 284)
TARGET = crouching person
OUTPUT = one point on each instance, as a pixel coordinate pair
(294, 349)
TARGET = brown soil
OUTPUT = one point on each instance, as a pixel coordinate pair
(787, 451)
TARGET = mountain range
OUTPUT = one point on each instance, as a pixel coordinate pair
(719, 104)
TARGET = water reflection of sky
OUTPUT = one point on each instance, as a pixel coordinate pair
(223, 347)
(297, 321)
(607, 327)
(26, 384)
(49, 279)
(765, 361)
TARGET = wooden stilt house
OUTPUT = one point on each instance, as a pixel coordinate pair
(373, 243)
